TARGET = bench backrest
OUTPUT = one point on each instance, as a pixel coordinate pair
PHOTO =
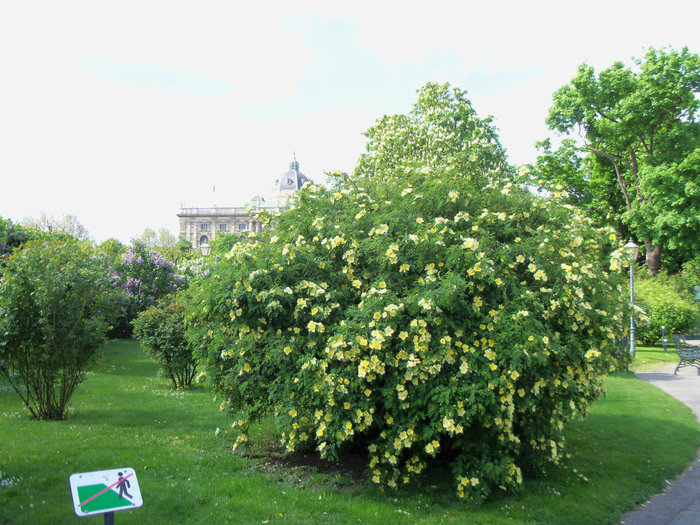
(677, 342)
(684, 350)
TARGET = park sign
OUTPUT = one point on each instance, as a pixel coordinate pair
(105, 491)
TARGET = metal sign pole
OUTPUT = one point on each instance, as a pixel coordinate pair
(109, 518)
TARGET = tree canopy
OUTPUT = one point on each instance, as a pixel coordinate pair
(442, 130)
(584, 179)
(162, 241)
(68, 224)
(641, 123)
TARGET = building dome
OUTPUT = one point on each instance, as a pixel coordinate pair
(292, 180)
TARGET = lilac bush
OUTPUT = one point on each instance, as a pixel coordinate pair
(145, 276)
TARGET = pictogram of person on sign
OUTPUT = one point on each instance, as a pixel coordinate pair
(123, 484)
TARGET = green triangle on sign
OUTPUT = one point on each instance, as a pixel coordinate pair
(107, 500)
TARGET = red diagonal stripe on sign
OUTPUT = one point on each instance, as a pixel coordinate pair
(102, 491)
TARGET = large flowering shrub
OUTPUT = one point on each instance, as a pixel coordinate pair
(144, 276)
(429, 312)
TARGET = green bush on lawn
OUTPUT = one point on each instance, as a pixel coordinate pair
(416, 312)
(664, 305)
(55, 304)
(161, 331)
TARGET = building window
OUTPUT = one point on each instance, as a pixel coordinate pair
(203, 240)
(204, 226)
(223, 227)
(242, 226)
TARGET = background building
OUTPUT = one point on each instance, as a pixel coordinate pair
(202, 225)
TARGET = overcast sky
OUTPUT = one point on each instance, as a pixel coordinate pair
(118, 112)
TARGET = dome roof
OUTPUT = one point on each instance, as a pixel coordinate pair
(293, 179)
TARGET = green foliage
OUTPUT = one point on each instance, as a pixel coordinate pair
(161, 331)
(416, 313)
(665, 306)
(642, 124)
(585, 181)
(672, 208)
(224, 242)
(184, 247)
(113, 249)
(54, 299)
(11, 236)
(690, 275)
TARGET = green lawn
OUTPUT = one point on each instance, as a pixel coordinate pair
(126, 416)
(650, 358)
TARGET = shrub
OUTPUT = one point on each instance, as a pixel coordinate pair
(664, 305)
(144, 276)
(430, 314)
(423, 307)
(690, 275)
(54, 299)
(161, 331)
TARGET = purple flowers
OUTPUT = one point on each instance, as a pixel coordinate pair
(145, 276)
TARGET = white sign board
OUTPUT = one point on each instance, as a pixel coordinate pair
(105, 491)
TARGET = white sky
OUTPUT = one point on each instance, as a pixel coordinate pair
(117, 112)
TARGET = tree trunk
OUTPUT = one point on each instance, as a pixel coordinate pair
(653, 257)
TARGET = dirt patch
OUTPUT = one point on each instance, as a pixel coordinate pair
(351, 464)
(308, 469)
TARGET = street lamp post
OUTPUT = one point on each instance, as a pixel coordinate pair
(632, 251)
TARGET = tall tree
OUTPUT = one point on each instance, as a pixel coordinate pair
(585, 179)
(67, 224)
(442, 130)
(161, 241)
(642, 122)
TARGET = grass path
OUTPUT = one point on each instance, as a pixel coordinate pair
(124, 415)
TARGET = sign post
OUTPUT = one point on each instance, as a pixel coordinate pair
(104, 492)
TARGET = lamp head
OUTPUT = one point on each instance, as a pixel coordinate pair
(632, 250)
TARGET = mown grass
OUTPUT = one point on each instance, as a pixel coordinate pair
(125, 416)
(650, 358)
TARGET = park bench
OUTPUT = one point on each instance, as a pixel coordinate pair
(689, 354)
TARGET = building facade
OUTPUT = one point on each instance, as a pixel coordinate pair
(202, 225)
